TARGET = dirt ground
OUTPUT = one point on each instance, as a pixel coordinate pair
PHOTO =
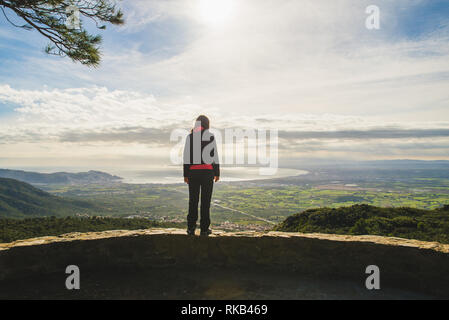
(177, 284)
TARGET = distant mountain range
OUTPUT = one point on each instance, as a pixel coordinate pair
(90, 177)
(19, 199)
(402, 164)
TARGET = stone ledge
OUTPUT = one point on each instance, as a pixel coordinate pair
(390, 241)
(416, 266)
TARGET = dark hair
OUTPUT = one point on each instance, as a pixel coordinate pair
(204, 121)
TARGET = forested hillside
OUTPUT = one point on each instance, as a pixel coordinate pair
(15, 229)
(428, 225)
(19, 199)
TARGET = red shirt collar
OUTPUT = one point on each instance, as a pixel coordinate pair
(198, 129)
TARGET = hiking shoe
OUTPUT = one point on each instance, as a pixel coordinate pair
(206, 233)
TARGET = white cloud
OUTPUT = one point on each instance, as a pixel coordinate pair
(295, 65)
(90, 107)
(288, 56)
(293, 56)
(99, 123)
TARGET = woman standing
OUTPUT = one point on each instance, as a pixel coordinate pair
(201, 169)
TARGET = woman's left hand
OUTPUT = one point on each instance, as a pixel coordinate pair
(216, 178)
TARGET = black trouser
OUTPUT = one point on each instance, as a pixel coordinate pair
(203, 181)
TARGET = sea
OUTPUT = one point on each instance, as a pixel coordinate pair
(168, 174)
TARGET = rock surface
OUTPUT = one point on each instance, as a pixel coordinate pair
(166, 263)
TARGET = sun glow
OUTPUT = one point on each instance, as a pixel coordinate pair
(215, 12)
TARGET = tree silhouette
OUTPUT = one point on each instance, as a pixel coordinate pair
(57, 20)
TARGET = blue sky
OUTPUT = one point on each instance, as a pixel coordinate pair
(422, 19)
(303, 66)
